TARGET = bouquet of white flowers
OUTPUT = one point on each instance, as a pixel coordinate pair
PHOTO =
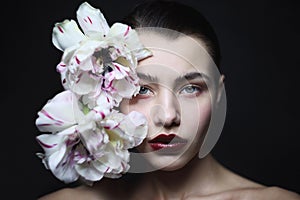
(88, 137)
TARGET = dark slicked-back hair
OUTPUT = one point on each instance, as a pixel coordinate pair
(175, 16)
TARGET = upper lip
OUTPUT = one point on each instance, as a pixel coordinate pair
(167, 138)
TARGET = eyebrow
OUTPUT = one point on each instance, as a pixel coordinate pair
(186, 77)
(192, 76)
(147, 77)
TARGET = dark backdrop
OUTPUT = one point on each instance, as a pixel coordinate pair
(259, 42)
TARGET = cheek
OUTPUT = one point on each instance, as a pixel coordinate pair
(126, 106)
(196, 115)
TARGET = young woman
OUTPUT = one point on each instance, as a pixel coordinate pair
(182, 95)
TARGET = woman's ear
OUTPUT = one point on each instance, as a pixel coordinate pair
(221, 88)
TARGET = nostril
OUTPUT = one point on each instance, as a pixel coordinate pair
(165, 116)
(171, 123)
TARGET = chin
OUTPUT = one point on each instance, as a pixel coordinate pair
(173, 167)
(169, 163)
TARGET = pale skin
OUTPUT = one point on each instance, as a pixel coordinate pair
(167, 101)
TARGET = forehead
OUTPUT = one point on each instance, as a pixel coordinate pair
(183, 54)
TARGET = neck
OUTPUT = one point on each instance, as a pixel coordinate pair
(198, 173)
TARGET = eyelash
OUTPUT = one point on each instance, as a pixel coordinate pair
(142, 87)
(146, 90)
(196, 90)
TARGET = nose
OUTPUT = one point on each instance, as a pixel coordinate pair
(166, 112)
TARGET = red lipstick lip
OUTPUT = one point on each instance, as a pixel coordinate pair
(167, 141)
(163, 138)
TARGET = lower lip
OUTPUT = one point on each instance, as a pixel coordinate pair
(172, 147)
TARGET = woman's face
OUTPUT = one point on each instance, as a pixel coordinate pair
(178, 89)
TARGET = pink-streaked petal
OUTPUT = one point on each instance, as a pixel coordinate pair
(131, 40)
(59, 113)
(92, 140)
(66, 34)
(82, 57)
(108, 81)
(91, 19)
(55, 150)
(56, 157)
(104, 100)
(120, 70)
(50, 143)
(123, 166)
(65, 170)
(69, 53)
(120, 30)
(84, 62)
(110, 124)
(98, 113)
(61, 67)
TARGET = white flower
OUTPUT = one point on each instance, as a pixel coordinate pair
(86, 143)
(75, 136)
(99, 50)
(87, 138)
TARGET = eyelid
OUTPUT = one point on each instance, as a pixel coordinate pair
(147, 87)
(189, 85)
(200, 87)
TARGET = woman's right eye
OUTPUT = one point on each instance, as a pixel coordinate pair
(144, 91)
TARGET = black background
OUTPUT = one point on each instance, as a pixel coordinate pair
(260, 48)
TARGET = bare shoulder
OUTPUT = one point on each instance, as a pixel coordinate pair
(280, 193)
(105, 189)
(66, 193)
(232, 180)
(70, 193)
(274, 193)
(249, 189)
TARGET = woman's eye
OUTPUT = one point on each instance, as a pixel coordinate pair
(144, 90)
(190, 89)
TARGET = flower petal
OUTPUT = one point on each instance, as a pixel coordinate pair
(89, 171)
(65, 171)
(134, 125)
(84, 85)
(131, 39)
(101, 167)
(56, 157)
(59, 113)
(91, 19)
(50, 143)
(66, 174)
(66, 34)
(120, 71)
(109, 157)
(92, 140)
(124, 88)
(82, 58)
(105, 101)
